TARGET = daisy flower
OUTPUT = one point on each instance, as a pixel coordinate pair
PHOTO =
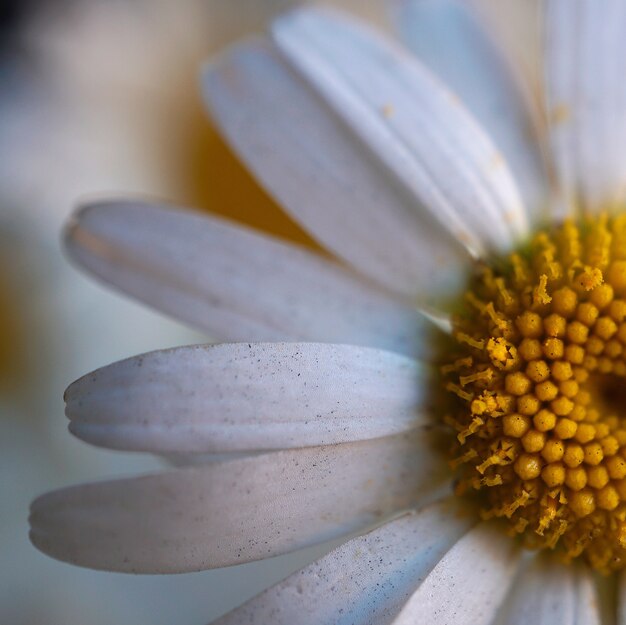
(449, 372)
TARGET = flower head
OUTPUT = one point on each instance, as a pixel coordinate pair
(418, 199)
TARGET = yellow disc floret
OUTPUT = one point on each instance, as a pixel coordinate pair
(537, 390)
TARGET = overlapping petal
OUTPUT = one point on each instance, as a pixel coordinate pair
(367, 580)
(234, 511)
(370, 153)
(234, 283)
(586, 99)
(451, 40)
(550, 593)
(321, 172)
(468, 584)
(247, 396)
(353, 67)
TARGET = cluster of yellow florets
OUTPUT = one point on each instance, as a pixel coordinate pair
(537, 384)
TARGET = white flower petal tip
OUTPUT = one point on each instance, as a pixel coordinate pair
(237, 284)
(249, 396)
(585, 43)
(453, 42)
(547, 592)
(468, 585)
(366, 149)
(238, 510)
(367, 580)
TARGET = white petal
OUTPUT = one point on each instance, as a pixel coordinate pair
(586, 98)
(319, 169)
(550, 593)
(364, 148)
(469, 583)
(588, 608)
(516, 28)
(235, 284)
(365, 581)
(355, 67)
(237, 397)
(453, 43)
(237, 510)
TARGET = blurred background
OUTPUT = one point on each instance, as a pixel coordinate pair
(101, 98)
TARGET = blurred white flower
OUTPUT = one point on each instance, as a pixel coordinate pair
(405, 188)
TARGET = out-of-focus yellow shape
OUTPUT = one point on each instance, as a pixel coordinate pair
(213, 178)
(12, 331)
(222, 185)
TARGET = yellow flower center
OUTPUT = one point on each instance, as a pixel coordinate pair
(537, 389)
